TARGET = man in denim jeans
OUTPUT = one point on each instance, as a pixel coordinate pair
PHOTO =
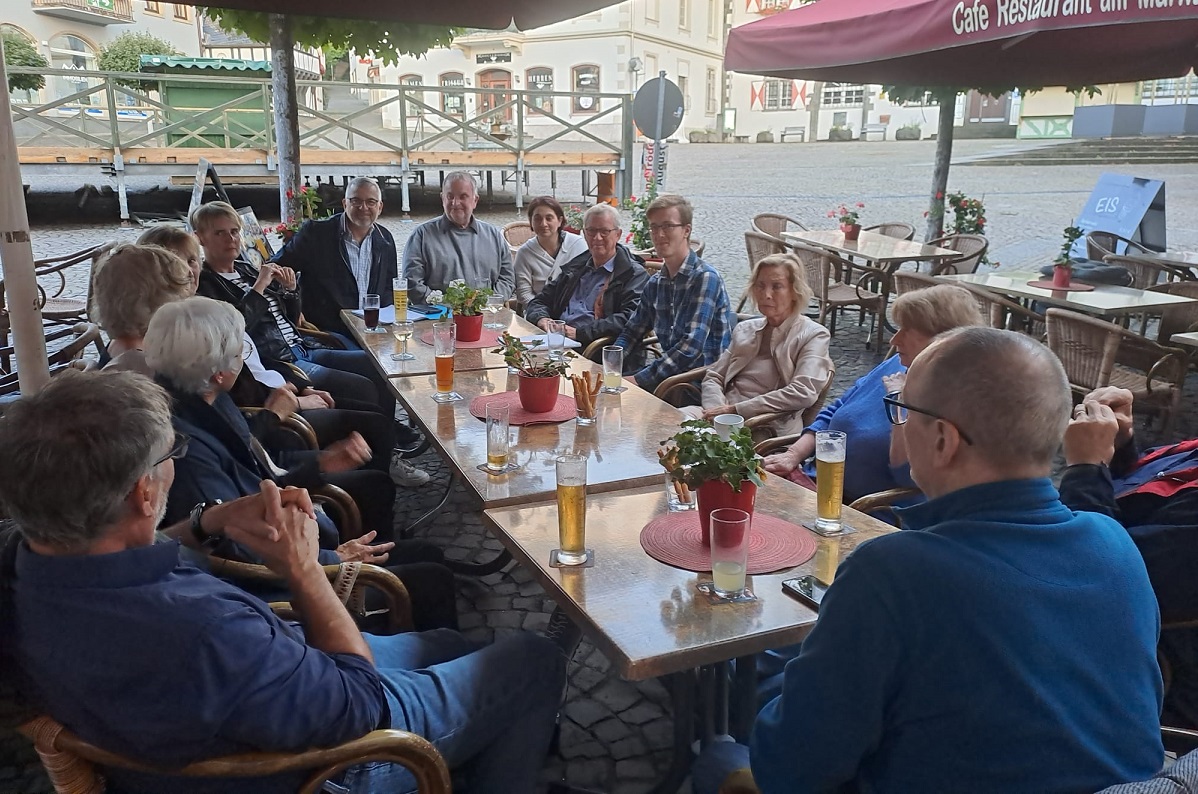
(148, 656)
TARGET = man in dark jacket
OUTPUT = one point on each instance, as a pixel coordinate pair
(597, 292)
(343, 258)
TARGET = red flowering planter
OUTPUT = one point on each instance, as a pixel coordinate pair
(470, 327)
(852, 231)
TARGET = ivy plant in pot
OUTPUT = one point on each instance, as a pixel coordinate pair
(539, 376)
(723, 473)
(467, 304)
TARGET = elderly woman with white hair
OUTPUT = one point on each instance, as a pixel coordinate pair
(776, 363)
(195, 346)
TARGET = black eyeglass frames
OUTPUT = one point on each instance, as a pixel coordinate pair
(178, 449)
(897, 412)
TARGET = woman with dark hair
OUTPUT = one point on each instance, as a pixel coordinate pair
(542, 257)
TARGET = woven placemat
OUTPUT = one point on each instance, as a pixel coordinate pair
(1076, 286)
(774, 544)
(564, 410)
(489, 338)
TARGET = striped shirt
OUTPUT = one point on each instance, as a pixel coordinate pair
(359, 257)
(290, 335)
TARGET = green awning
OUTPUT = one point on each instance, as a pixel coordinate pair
(177, 65)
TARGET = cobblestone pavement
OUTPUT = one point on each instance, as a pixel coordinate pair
(616, 735)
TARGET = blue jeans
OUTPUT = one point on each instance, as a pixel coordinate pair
(346, 374)
(489, 710)
(717, 761)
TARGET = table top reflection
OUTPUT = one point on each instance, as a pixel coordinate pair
(871, 246)
(1103, 300)
(621, 446)
(1189, 339)
(382, 345)
(646, 616)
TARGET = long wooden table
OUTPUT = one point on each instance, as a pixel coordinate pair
(1105, 300)
(871, 246)
(382, 345)
(1189, 339)
(621, 446)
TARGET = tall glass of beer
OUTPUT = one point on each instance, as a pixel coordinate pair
(399, 298)
(498, 424)
(444, 344)
(571, 509)
(829, 478)
(613, 369)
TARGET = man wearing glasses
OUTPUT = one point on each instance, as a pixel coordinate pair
(597, 292)
(1001, 641)
(344, 257)
(684, 304)
(457, 245)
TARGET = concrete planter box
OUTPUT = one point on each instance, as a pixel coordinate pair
(840, 135)
(1108, 121)
(908, 134)
(765, 137)
(1171, 120)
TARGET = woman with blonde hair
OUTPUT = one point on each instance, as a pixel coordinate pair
(776, 363)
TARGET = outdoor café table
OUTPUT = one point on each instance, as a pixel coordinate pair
(1190, 339)
(381, 346)
(877, 249)
(1184, 263)
(1105, 300)
(646, 616)
(621, 446)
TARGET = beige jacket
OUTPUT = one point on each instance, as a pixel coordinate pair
(800, 348)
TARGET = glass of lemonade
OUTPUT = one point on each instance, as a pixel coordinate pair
(402, 330)
(613, 369)
(729, 550)
(498, 424)
(399, 297)
(571, 509)
(495, 304)
(444, 345)
(829, 478)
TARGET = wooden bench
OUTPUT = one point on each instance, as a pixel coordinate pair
(878, 128)
(801, 132)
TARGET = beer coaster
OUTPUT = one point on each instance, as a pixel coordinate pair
(485, 469)
(845, 529)
(555, 563)
(489, 338)
(451, 397)
(614, 391)
(774, 544)
(564, 409)
(745, 596)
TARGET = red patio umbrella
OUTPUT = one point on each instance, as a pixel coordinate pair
(972, 42)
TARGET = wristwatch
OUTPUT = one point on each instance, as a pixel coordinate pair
(205, 540)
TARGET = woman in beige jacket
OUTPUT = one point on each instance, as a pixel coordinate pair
(776, 363)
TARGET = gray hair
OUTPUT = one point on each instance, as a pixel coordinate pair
(459, 176)
(606, 210)
(360, 181)
(70, 454)
(190, 341)
(132, 282)
(967, 375)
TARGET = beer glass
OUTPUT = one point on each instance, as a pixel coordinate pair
(370, 313)
(495, 304)
(613, 369)
(729, 550)
(402, 330)
(444, 344)
(399, 297)
(571, 509)
(498, 418)
(829, 478)
(725, 424)
(555, 339)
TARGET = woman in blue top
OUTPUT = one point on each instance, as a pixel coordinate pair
(860, 413)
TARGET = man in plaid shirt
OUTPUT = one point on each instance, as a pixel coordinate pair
(685, 304)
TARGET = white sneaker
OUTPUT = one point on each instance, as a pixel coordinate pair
(406, 475)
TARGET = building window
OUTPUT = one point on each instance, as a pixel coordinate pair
(153, 7)
(653, 10)
(841, 94)
(182, 13)
(684, 87)
(775, 90)
(711, 104)
(68, 51)
(713, 19)
(411, 109)
(540, 78)
(684, 15)
(585, 79)
(453, 102)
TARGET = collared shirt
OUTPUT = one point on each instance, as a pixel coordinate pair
(691, 316)
(152, 658)
(358, 256)
(439, 251)
(588, 292)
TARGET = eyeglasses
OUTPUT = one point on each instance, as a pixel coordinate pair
(231, 234)
(177, 450)
(654, 228)
(358, 203)
(598, 232)
(897, 413)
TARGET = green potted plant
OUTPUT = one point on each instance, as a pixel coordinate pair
(840, 132)
(911, 131)
(849, 219)
(723, 473)
(969, 217)
(638, 237)
(539, 377)
(309, 203)
(467, 304)
(1062, 266)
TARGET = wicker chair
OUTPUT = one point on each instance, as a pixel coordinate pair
(1100, 244)
(517, 233)
(1096, 353)
(1180, 318)
(698, 246)
(66, 357)
(685, 389)
(758, 245)
(971, 247)
(896, 229)
(999, 312)
(55, 308)
(825, 273)
(773, 224)
(1144, 274)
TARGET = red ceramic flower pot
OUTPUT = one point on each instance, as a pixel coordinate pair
(715, 494)
(470, 327)
(851, 230)
(538, 395)
(1061, 276)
